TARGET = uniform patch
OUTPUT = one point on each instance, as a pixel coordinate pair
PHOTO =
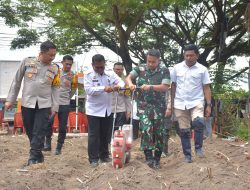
(67, 83)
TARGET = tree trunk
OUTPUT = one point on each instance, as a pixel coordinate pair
(126, 59)
(219, 80)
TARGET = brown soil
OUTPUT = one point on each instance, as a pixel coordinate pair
(226, 166)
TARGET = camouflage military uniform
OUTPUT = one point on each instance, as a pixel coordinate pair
(151, 105)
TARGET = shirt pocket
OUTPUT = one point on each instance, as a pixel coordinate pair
(49, 77)
(180, 78)
(96, 82)
(67, 83)
(30, 73)
(196, 78)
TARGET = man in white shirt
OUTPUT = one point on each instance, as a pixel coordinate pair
(98, 85)
(190, 84)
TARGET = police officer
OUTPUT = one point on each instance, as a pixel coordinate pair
(66, 90)
(99, 84)
(154, 80)
(39, 96)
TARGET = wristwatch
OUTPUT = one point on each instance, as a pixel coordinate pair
(151, 88)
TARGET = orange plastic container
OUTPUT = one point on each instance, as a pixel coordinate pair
(118, 149)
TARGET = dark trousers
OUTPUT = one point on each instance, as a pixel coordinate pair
(136, 126)
(98, 137)
(63, 114)
(36, 125)
(120, 120)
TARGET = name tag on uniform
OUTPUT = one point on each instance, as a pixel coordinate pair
(34, 70)
(94, 80)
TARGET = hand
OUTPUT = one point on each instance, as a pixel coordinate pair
(145, 87)
(168, 113)
(8, 105)
(207, 112)
(108, 89)
(132, 87)
(128, 115)
(53, 114)
(116, 88)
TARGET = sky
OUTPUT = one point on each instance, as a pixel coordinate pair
(82, 61)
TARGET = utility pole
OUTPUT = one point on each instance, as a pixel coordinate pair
(249, 75)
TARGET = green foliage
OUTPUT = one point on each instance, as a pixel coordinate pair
(228, 115)
(228, 93)
(131, 27)
(25, 38)
(243, 131)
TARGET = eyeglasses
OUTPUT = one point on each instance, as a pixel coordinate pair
(69, 64)
(99, 67)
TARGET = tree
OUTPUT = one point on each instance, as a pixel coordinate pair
(128, 28)
(217, 28)
(76, 24)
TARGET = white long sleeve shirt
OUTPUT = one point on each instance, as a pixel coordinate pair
(98, 101)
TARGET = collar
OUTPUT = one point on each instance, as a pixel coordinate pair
(185, 65)
(158, 68)
(97, 74)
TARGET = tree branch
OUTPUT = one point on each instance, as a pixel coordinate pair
(237, 74)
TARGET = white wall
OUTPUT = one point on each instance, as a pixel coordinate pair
(7, 72)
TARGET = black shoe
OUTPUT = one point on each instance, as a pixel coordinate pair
(157, 159)
(150, 163)
(40, 160)
(156, 164)
(58, 152)
(103, 160)
(199, 153)
(35, 161)
(188, 159)
(45, 149)
(31, 162)
(94, 164)
(149, 158)
(58, 148)
(47, 144)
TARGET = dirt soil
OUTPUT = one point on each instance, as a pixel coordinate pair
(226, 166)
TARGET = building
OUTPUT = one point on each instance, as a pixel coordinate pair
(8, 70)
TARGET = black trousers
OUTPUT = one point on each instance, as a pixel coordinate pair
(98, 137)
(63, 114)
(120, 120)
(36, 124)
(136, 126)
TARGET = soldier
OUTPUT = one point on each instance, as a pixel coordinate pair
(66, 90)
(124, 106)
(99, 84)
(39, 96)
(190, 84)
(154, 80)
